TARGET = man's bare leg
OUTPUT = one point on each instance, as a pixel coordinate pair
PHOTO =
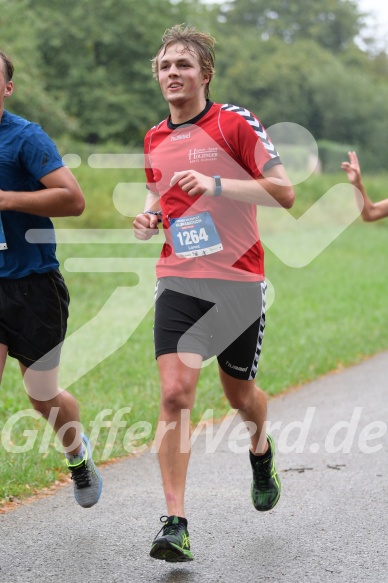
(252, 405)
(178, 384)
(44, 394)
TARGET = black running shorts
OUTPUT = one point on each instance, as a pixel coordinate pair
(211, 317)
(33, 318)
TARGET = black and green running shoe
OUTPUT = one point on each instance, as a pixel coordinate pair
(173, 545)
(265, 490)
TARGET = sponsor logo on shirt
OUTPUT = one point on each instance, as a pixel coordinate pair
(203, 155)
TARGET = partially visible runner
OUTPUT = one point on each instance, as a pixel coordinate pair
(208, 166)
(35, 185)
(371, 211)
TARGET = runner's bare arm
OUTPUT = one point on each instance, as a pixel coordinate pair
(273, 189)
(61, 197)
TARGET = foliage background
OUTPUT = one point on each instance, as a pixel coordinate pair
(83, 67)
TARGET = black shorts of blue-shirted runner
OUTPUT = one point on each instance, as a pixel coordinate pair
(34, 313)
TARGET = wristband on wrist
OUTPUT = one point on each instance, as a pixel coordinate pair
(218, 190)
(159, 214)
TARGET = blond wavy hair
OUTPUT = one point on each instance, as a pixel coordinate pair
(199, 43)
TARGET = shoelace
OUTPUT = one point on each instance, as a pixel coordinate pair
(262, 474)
(169, 527)
(80, 475)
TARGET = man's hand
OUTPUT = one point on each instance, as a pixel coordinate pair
(145, 226)
(194, 183)
(352, 169)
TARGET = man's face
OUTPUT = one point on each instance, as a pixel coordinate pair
(6, 87)
(179, 74)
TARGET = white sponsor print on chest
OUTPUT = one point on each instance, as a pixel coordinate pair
(203, 155)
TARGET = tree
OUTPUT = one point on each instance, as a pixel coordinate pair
(272, 79)
(31, 98)
(333, 24)
(97, 60)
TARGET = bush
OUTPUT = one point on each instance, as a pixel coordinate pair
(332, 154)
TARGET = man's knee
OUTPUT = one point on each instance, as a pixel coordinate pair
(177, 396)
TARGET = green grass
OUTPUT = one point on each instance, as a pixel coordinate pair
(329, 314)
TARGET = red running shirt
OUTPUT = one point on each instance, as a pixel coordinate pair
(223, 140)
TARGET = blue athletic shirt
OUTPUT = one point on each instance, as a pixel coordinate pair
(27, 154)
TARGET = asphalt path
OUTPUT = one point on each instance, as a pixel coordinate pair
(330, 525)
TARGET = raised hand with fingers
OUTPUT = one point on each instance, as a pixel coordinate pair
(352, 169)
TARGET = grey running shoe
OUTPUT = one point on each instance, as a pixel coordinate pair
(86, 478)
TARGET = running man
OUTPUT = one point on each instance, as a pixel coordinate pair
(34, 186)
(208, 166)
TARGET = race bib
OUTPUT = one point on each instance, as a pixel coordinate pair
(195, 236)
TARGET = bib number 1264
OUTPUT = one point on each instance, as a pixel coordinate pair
(195, 235)
(189, 237)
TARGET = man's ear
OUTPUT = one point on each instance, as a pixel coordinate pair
(8, 89)
(207, 78)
